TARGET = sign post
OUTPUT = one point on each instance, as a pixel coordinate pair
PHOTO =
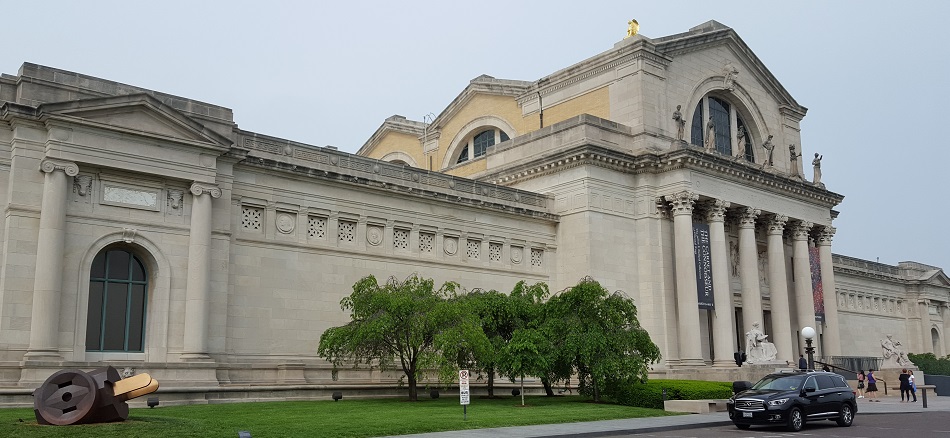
(464, 395)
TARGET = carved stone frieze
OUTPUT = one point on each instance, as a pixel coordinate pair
(49, 165)
(199, 189)
(82, 184)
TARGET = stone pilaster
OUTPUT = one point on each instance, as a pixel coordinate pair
(198, 285)
(687, 300)
(749, 270)
(927, 345)
(778, 288)
(801, 269)
(723, 327)
(832, 334)
(48, 280)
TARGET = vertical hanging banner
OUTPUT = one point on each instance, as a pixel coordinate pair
(817, 290)
(702, 253)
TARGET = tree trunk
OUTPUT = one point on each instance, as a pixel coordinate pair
(596, 390)
(491, 383)
(548, 390)
(413, 392)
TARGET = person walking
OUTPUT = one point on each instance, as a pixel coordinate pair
(913, 385)
(861, 379)
(905, 384)
(872, 386)
(802, 363)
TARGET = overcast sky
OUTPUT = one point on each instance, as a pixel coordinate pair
(873, 75)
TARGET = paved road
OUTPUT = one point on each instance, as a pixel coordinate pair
(917, 425)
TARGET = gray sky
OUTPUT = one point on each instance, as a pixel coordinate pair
(871, 73)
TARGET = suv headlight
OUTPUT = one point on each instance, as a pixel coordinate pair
(778, 402)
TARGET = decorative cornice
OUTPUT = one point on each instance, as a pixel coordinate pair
(199, 189)
(776, 224)
(49, 165)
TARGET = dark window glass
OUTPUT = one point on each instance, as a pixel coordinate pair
(118, 262)
(138, 271)
(826, 382)
(482, 141)
(94, 319)
(810, 383)
(463, 156)
(719, 112)
(741, 127)
(136, 316)
(98, 266)
(504, 137)
(117, 301)
(696, 132)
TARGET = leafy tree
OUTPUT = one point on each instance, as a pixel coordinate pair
(598, 334)
(397, 323)
(497, 322)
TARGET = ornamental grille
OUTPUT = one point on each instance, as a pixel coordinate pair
(401, 239)
(471, 249)
(347, 231)
(425, 242)
(536, 257)
(251, 218)
(317, 227)
(494, 252)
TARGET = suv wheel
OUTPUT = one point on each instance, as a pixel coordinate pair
(795, 420)
(846, 416)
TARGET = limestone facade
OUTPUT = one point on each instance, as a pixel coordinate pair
(248, 242)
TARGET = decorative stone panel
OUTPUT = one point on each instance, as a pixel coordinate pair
(286, 223)
(494, 251)
(374, 235)
(536, 256)
(517, 254)
(473, 249)
(426, 242)
(317, 227)
(451, 245)
(400, 239)
(252, 218)
(347, 231)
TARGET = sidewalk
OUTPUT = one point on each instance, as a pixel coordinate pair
(888, 405)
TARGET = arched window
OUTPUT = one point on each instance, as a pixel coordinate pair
(478, 145)
(118, 288)
(935, 338)
(728, 125)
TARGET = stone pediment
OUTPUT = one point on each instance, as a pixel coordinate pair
(938, 278)
(136, 113)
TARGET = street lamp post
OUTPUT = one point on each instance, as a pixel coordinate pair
(809, 333)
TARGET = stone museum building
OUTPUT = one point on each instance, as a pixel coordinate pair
(150, 232)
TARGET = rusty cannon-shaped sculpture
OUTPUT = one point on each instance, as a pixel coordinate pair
(99, 396)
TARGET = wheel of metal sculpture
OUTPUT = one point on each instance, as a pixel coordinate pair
(66, 397)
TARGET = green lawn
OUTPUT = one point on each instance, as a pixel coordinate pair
(346, 418)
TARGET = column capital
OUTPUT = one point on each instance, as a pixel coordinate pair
(777, 224)
(747, 217)
(800, 230)
(716, 210)
(682, 202)
(49, 165)
(199, 189)
(825, 234)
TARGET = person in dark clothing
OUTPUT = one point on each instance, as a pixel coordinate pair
(802, 363)
(905, 384)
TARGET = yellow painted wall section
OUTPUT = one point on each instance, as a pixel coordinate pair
(397, 141)
(595, 103)
(503, 107)
(472, 167)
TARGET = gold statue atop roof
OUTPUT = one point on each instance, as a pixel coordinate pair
(632, 28)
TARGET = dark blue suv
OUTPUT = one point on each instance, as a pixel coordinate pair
(793, 399)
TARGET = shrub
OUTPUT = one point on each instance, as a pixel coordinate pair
(650, 393)
(930, 364)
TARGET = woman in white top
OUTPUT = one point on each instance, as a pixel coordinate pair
(913, 386)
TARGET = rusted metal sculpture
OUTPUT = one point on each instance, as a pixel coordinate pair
(99, 396)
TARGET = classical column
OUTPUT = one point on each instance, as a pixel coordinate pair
(802, 271)
(945, 339)
(48, 279)
(927, 344)
(749, 270)
(778, 290)
(687, 300)
(723, 327)
(831, 334)
(198, 285)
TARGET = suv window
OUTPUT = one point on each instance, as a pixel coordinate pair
(826, 382)
(779, 383)
(840, 381)
(811, 383)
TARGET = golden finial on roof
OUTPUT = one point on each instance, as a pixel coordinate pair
(632, 28)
